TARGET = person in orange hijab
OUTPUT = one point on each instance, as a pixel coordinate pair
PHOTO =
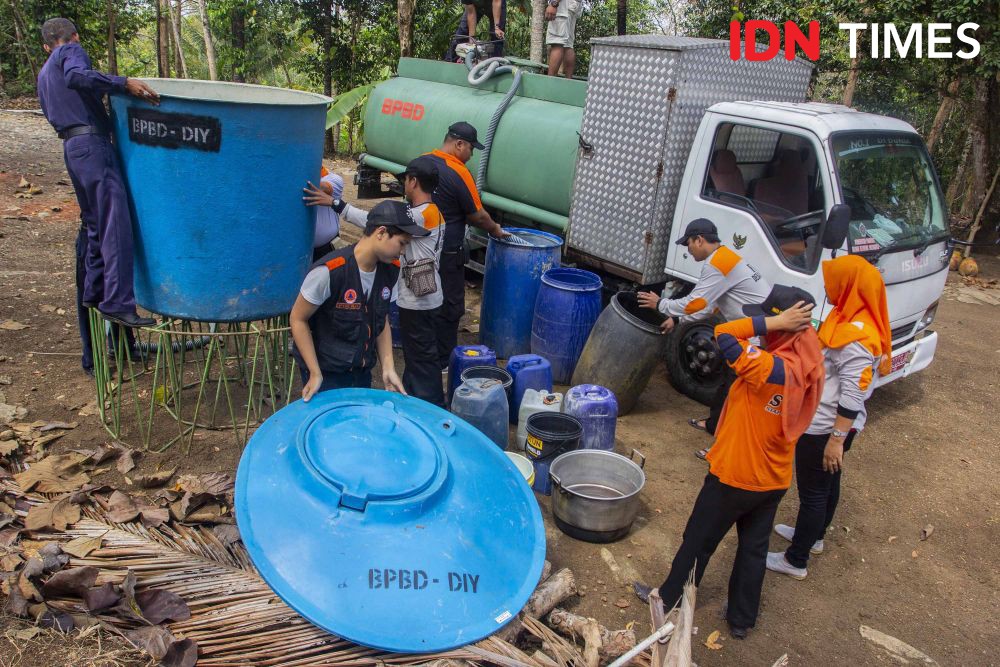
(856, 341)
(768, 408)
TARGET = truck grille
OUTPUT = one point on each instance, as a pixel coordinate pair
(902, 334)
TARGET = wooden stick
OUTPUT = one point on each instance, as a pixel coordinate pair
(978, 222)
(543, 659)
(546, 597)
(592, 644)
(613, 642)
(679, 649)
(658, 618)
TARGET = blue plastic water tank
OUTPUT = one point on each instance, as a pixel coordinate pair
(388, 522)
(467, 356)
(568, 305)
(482, 402)
(215, 176)
(510, 286)
(597, 410)
(529, 371)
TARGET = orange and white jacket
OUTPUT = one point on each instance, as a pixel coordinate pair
(727, 283)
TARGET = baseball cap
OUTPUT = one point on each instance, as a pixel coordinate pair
(700, 227)
(465, 131)
(782, 297)
(422, 167)
(396, 214)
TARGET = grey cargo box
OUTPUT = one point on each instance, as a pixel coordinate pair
(646, 97)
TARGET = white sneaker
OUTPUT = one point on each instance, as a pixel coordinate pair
(788, 532)
(776, 562)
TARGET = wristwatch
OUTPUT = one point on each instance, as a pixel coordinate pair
(840, 434)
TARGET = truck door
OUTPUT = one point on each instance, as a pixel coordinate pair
(767, 188)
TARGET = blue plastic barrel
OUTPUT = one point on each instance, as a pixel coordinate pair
(568, 305)
(529, 371)
(467, 356)
(510, 286)
(482, 402)
(597, 410)
(215, 176)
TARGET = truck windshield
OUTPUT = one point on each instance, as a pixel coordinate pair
(888, 181)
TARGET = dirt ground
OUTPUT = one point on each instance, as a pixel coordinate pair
(928, 456)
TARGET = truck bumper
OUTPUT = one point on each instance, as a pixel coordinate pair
(919, 355)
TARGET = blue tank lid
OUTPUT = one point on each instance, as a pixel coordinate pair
(388, 521)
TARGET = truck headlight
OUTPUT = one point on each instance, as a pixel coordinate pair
(928, 317)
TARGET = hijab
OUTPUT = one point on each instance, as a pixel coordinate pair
(860, 311)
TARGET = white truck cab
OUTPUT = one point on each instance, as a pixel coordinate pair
(769, 174)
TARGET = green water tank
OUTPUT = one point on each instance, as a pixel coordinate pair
(534, 151)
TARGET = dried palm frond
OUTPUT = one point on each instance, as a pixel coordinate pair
(236, 619)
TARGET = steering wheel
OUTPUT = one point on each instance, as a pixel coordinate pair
(799, 222)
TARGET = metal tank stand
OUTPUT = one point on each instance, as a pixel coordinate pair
(160, 385)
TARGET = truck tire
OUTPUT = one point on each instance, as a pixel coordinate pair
(369, 182)
(693, 360)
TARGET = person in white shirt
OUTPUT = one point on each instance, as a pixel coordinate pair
(327, 219)
(727, 283)
(419, 286)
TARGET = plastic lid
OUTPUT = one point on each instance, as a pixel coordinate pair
(388, 522)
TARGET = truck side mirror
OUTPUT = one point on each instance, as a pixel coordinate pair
(835, 230)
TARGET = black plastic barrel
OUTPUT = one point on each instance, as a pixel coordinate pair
(491, 373)
(552, 433)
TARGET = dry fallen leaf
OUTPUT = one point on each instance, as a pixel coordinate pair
(82, 546)
(712, 641)
(126, 461)
(155, 479)
(50, 426)
(58, 515)
(53, 474)
(12, 325)
(23, 183)
(8, 447)
(927, 531)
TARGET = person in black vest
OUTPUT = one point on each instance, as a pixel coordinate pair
(340, 319)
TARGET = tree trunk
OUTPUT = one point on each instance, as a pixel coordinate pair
(622, 16)
(332, 137)
(980, 152)
(112, 48)
(404, 16)
(537, 51)
(943, 113)
(206, 32)
(162, 41)
(852, 83)
(957, 183)
(20, 31)
(238, 23)
(175, 23)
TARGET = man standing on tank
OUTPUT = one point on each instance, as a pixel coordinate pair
(71, 95)
(457, 197)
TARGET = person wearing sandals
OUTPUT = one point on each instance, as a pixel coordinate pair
(856, 340)
(727, 283)
(769, 406)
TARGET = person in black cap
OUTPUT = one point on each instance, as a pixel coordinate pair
(726, 284)
(770, 405)
(458, 200)
(341, 316)
(420, 296)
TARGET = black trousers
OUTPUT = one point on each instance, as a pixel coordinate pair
(819, 492)
(715, 409)
(452, 272)
(358, 378)
(422, 374)
(717, 508)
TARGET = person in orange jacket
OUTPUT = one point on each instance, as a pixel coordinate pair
(768, 407)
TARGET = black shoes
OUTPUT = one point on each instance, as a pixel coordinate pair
(738, 633)
(89, 304)
(642, 591)
(130, 319)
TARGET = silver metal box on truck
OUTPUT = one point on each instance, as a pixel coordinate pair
(645, 100)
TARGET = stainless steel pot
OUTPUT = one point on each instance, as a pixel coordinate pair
(595, 493)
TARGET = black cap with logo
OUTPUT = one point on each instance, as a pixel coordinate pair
(465, 132)
(423, 168)
(700, 227)
(782, 297)
(396, 214)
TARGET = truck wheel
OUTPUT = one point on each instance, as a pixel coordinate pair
(694, 363)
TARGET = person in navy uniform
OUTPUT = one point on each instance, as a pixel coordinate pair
(340, 319)
(71, 94)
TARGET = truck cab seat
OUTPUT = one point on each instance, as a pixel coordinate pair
(725, 173)
(788, 187)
